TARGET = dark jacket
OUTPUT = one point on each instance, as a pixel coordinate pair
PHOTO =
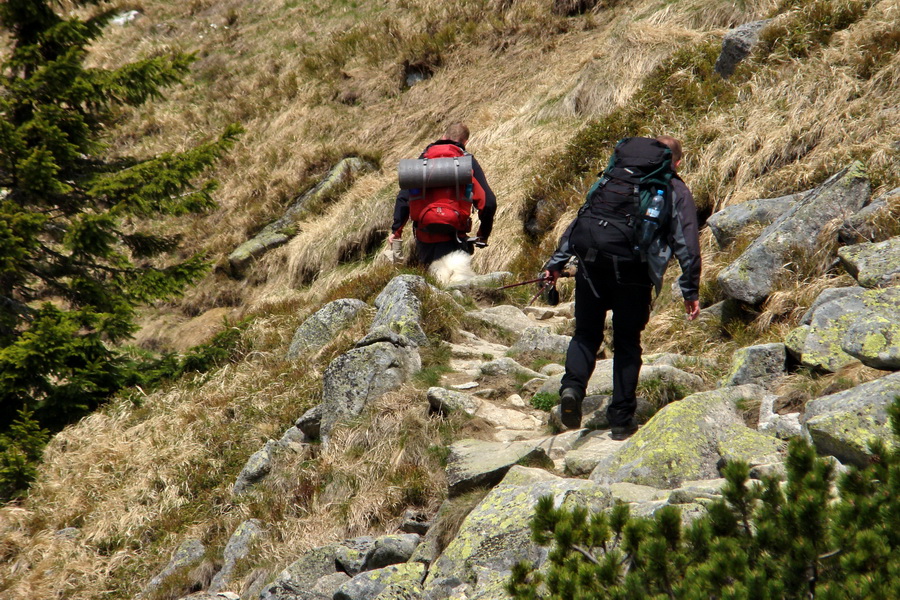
(681, 238)
(485, 214)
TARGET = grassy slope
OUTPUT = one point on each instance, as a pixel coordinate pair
(313, 83)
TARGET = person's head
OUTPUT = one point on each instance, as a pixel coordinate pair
(457, 132)
(675, 146)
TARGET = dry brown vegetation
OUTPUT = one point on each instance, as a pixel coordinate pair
(315, 81)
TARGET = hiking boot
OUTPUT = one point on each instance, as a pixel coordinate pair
(570, 408)
(624, 431)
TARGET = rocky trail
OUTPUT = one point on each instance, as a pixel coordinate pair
(690, 430)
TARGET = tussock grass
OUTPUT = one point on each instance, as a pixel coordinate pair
(138, 481)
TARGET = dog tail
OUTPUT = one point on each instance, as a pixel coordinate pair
(453, 268)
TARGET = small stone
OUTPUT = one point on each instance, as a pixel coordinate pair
(465, 386)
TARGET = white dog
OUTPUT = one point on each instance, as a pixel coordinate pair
(453, 268)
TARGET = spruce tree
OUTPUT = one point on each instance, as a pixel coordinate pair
(74, 261)
(811, 537)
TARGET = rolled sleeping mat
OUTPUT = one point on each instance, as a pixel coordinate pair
(419, 173)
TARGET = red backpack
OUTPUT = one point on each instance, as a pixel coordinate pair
(443, 212)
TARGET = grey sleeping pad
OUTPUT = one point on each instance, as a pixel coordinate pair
(424, 173)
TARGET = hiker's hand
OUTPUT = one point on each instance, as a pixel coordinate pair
(692, 307)
(551, 276)
(391, 238)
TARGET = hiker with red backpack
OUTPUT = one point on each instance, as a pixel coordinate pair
(636, 216)
(440, 202)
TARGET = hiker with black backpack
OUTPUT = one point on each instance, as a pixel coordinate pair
(636, 216)
(438, 192)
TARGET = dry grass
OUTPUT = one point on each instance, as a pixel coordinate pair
(138, 481)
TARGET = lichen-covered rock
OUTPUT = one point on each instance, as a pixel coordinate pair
(752, 276)
(842, 424)
(474, 463)
(298, 580)
(784, 427)
(680, 383)
(447, 401)
(827, 295)
(321, 327)
(350, 555)
(873, 265)
(279, 232)
(731, 221)
(737, 45)
(400, 308)
(868, 224)
(310, 422)
(363, 375)
(391, 550)
(857, 326)
(756, 364)
(237, 548)
(188, 554)
(689, 440)
(591, 450)
(540, 339)
(507, 366)
(368, 585)
(691, 491)
(496, 535)
(257, 466)
(407, 590)
(505, 317)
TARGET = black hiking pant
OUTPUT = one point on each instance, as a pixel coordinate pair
(622, 286)
(428, 252)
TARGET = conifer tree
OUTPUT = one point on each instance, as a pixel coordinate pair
(804, 539)
(74, 262)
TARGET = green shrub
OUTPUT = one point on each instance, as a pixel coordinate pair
(20, 452)
(545, 401)
(766, 540)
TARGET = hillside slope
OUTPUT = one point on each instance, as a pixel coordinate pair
(545, 95)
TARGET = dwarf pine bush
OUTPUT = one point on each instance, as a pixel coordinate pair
(804, 538)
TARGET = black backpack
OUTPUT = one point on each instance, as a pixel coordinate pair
(614, 220)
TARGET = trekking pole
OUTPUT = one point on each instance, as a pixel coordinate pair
(512, 285)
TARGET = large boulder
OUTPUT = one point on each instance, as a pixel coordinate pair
(728, 224)
(761, 365)
(690, 440)
(321, 327)
(869, 224)
(298, 581)
(237, 548)
(446, 401)
(366, 553)
(737, 45)
(873, 265)
(370, 584)
(256, 468)
(279, 232)
(496, 534)
(363, 375)
(590, 451)
(474, 463)
(504, 317)
(188, 554)
(680, 383)
(842, 424)
(857, 325)
(400, 308)
(540, 339)
(751, 278)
